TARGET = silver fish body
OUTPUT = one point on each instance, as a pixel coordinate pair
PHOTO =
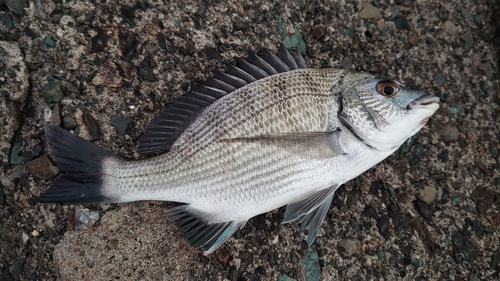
(291, 138)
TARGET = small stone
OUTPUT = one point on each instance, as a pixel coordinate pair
(223, 254)
(383, 224)
(146, 71)
(201, 10)
(401, 23)
(448, 132)
(425, 236)
(487, 69)
(39, 13)
(428, 194)
(483, 198)
(439, 79)
(414, 39)
(17, 6)
(98, 43)
(89, 128)
(284, 277)
(443, 155)
(49, 43)
(424, 209)
(393, 12)
(85, 219)
(15, 157)
(347, 64)
(25, 237)
(300, 3)
(318, 31)
(52, 91)
(35, 233)
(6, 19)
(370, 12)
(451, 29)
(325, 48)
(120, 123)
(350, 32)
(42, 168)
(468, 38)
(108, 76)
(241, 25)
(349, 248)
(212, 53)
(69, 122)
(310, 263)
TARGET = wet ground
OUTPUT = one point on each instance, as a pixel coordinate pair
(105, 68)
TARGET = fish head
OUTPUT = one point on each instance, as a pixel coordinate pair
(384, 113)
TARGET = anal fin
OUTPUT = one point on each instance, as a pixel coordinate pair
(199, 231)
(310, 212)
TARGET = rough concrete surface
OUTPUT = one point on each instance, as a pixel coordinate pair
(105, 68)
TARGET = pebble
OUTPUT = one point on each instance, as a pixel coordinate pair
(145, 70)
(383, 224)
(414, 39)
(349, 248)
(451, 29)
(300, 3)
(17, 6)
(108, 76)
(52, 91)
(347, 64)
(284, 277)
(49, 43)
(401, 23)
(468, 38)
(483, 198)
(85, 219)
(370, 12)
(42, 168)
(291, 41)
(310, 263)
(487, 69)
(448, 132)
(6, 19)
(424, 209)
(89, 128)
(69, 122)
(427, 194)
(120, 123)
(202, 9)
(439, 79)
(425, 236)
(318, 31)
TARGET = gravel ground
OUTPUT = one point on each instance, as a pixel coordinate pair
(105, 68)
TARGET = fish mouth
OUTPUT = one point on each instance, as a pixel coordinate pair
(427, 100)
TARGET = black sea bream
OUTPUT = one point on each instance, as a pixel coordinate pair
(266, 133)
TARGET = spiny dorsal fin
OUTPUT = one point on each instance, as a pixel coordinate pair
(174, 119)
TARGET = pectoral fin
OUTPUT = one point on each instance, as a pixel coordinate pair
(314, 145)
(310, 212)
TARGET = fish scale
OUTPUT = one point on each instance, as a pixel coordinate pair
(289, 137)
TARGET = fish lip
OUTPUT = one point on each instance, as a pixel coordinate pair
(424, 100)
(427, 100)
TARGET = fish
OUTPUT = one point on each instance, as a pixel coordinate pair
(267, 132)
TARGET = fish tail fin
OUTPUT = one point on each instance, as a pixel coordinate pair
(81, 165)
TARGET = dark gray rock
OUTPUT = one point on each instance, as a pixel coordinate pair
(439, 79)
(468, 38)
(349, 248)
(6, 19)
(17, 6)
(401, 23)
(120, 123)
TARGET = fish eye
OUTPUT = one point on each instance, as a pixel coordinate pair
(387, 88)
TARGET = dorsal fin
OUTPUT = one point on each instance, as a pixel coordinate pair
(174, 119)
